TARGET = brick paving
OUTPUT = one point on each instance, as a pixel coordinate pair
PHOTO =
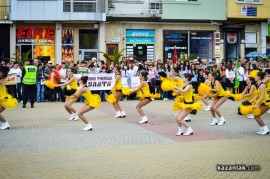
(42, 143)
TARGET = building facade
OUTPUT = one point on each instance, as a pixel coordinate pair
(246, 28)
(58, 30)
(150, 30)
(4, 30)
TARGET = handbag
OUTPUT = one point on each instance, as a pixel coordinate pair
(43, 81)
(11, 79)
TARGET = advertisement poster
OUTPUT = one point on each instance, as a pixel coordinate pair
(67, 36)
(68, 53)
(44, 51)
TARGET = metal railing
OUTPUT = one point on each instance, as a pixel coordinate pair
(4, 12)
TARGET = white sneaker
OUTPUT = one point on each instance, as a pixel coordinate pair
(71, 117)
(189, 131)
(268, 111)
(88, 127)
(5, 125)
(250, 116)
(260, 130)
(117, 114)
(265, 130)
(123, 114)
(76, 117)
(144, 120)
(207, 108)
(180, 131)
(214, 122)
(222, 121)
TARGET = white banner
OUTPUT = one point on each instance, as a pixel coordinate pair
(105, 81)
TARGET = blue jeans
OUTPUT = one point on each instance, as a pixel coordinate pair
(40, 91)
(165, 94)
(129, 81)
(19, 91)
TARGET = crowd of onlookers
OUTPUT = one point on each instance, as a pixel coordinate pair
(225, 71)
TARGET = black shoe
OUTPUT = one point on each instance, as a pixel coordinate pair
(23, 106)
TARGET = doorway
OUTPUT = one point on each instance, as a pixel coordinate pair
(87, 54)
(110, 49)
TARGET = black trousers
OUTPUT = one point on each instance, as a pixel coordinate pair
(29, 91)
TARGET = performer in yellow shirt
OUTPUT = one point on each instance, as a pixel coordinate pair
(186, 105)
(116, 95)
(71, 86)
(91, 101)
(6, 100)
(143, 92)
(263, 103)
(219, 96)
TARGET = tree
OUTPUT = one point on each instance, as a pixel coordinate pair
(21, 60)
(115, 57)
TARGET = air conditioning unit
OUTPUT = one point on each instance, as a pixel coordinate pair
(154, 11)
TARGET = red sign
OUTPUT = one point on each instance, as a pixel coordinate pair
(35, 35)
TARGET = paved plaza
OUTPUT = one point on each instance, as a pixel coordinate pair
(42, 143)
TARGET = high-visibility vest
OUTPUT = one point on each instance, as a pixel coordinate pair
(30, 76)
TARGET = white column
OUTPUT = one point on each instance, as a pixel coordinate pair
(58, 43)
(263, 36)
(102, 39)
(12, 40)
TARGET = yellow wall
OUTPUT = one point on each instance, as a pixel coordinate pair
(234, 9)
(3, 10)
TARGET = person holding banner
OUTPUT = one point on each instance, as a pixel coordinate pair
(143, 92)
(71, 86)
(117, 94)
(91, 101)
(6, 100)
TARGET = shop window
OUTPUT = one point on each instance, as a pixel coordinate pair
(88, 39)
(175, 39)
(201, 44)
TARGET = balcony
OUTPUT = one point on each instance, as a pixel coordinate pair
(4, 12)
(135, 8)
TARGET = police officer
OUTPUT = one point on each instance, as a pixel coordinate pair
(29, 76)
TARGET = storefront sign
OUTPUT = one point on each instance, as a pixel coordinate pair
(105, 81)
(115, 40)
(140, 33)
(248, 11)
(250, 38)
(231, 37)
(39, 35)
(140, 41)
(251, 45)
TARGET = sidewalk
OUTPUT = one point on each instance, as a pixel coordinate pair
(42, 143)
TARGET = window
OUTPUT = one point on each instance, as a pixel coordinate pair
(66, 5)
(84, 5)
(80, 5)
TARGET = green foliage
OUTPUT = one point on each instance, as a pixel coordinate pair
(115, 57)
(268, 57)
(21, 60)
(185, 58)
